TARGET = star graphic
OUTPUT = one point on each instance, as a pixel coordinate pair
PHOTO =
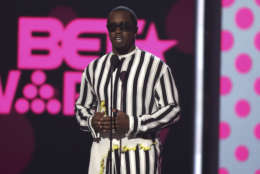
(154, 44)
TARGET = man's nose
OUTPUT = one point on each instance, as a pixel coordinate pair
(118, 29)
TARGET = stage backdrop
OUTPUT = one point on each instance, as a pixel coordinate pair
(240, 88)
(44, 54)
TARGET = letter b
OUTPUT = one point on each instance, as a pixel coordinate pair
(27, 42)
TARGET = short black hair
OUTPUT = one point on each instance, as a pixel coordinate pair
(124, 8)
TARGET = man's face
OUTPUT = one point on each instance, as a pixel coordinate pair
(121, 32)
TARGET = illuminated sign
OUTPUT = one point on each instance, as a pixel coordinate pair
(44, 44)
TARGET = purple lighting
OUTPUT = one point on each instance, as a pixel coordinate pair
(64, 13)
(180, 12)
(17, 144)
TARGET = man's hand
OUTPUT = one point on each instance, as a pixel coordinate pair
(105, 124)
(122, 122)
(101, 123)
(96, 121)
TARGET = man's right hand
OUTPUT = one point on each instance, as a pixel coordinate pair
(97, 120)
(102, 123)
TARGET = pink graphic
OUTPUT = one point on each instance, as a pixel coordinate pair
(243, 63)
(257, 131)
(258, 171)
(246, 104)
(257, 86)
(71, 79)
(53, 106)
(241, 153)
(21, 105)
(7, 95)
(257, 41)
(224, 130)
(72, 43)
(17, 144)
(242, 108)
(65, 44)
(46, 91)
(38, 106)
(27, 42)
(153, 44)
(225, 85)
(141, 25)
(227, 3)
(223, 171)
(38, 77)
(244, 18)
(257, 2)
(227, 40)
(30, 91)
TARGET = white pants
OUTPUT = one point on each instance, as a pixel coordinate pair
(137, 156)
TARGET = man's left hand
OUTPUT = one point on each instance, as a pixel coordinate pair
(122, 122)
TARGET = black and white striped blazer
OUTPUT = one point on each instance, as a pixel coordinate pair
(148, 94)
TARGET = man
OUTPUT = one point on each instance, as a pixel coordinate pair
(138, 89)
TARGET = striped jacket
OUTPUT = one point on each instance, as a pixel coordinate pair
(147, 93)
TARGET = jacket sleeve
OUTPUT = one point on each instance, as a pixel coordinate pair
(167, 103)
(85, 106)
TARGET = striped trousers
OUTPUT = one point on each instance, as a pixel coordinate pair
(136, 156)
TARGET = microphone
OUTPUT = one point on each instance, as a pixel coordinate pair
(123, 76)
(115, 62)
